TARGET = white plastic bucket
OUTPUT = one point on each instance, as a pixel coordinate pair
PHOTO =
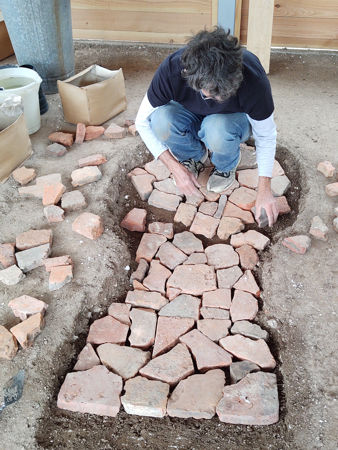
(26, 83)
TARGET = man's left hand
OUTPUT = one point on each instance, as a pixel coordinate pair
(266, 200)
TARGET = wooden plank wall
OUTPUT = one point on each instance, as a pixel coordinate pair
(300, 23)
(161, 21)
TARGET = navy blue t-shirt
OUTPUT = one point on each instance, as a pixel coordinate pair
(253, 96)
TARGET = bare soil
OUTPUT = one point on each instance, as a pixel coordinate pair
(298, 307)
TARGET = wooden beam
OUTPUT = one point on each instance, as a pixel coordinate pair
(260, 30)
(214, 12)
(238, 14)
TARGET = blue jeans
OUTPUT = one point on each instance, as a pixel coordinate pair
(183, 132)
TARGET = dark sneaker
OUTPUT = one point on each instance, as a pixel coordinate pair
(195, 167)
(221, 181)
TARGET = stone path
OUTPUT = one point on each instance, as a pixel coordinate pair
(185, 343)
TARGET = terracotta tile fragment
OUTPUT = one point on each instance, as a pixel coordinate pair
(85, 175)
(248, 257)
(62, 138)
(52, 194)
(221, 256)
(143, 184)
(120, 311)
(244, 306)
(80, 133)
(188, 243)
(23, 175)
(183, 305)
(185, 214)
(297, 244)
(92, 160)
(148, 246)
(214, 329)
(229, 226)
(146, 299)
(226, 278)
(194, 279)
(25, 332)
(107, 330)
(87, 358)
(88, 225)
(26, 305)
(60, 276)
(168, 331)
(244, 198)
(93, 132)
(143, 328)
(248, 283)
(115, 132)
(33, 238)
(158, 169)
(7, 256)
(204, 225)
(162, 200)
(157, 277)
(170, 256)
(166, 229)
(8, 344)
(135, 220)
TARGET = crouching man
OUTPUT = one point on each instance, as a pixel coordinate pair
(211, 96)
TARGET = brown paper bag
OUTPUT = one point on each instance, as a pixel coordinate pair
(93, 96)
(15, 147)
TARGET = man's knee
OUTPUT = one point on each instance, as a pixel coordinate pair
(161, 121)
(220, 130)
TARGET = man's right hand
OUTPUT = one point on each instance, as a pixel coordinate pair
(185, 180)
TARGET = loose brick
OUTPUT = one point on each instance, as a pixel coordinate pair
(326, 168)
(279, 185)
(210, 196)
(25, 332)
(11, 275)
(244, 198)
(25, 306)
(221, 256)
(196, 258)
(93, 132)
(248, 178)
(158, 169)
(107, 330)
(140, 272)
(125, 361)
(207, 354)
(8, 344)
(240, 369)
(167, 186)
(232, 210)
(170, 367)
(59, 276)
(194, 279)
(214, 313)
(52, 178)
(93, 160)
(49, 263)
(115, 132)
(195, 199)
(248, 158)
(145, 397)
(7, 256)
(52, 194)
(132, 130)
(135, 220)
(143, 184)
(248, 256)
(24, 175)
(62, 138)
(277, 170)
(249, 329)
(282, 205)
(208, 208)
(226, 278)
(221, 206)
(72, 201)
(260, 392)
(53, 213)
(56, 149)
(88, 225)
(205, 225)
(146, 299)
(33, 257)
(85, 175)
(33, 238)
(244, 348)
(229, 226)
(185, 214)
(251, 237)
(214, 329)
(166, 229)
(80, 133)
(188, 243)
(297, 244)
(168, 331)
(143, 328)
(185, 306)
(318, 229)
(148, 246)
(197, 396)
(35, 191)
(93, 391)
(244, 306)
(170, 256)
(248, 283)
(220, 298)
(157, 277)
(162, 200)
(137, 171)
(120, 311)
(87, 358)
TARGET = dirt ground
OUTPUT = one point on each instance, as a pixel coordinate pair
(299, 306)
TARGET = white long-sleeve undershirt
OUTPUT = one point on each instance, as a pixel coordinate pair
(264, 133)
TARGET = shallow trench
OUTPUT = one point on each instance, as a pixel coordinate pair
(61, 429)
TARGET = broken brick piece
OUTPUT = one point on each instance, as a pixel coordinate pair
(146, 299)
(148, 246)
(248, 178)
(326, 168)
(140, 272)
(158, 169)
(93, 132)
(229, 226)
(25, 306)
(332, 189)
(162, 200)
(226, 278)
(92, 160)
(52, 178)
(244, 306)
(239, 369)
(52, 194)
(24, 175)
(8, 344)
(73, 200)
(34, 191)
(88, 225)
(220, 298)
(188, 242)
(247, 283)
(204, 225)
(11, 275)
(56, 149)
(251, 237)
(297, 244)
(318, 229)
(87, 358)
(214, 329)
(106, 330)
(282, 205)
(170, 256)
(33, 238)
(143, 328)
(49, 263)
(166, 229)
(249, 329)
(53, 213)
(7, 256)
(185, 214)
(132, 130)
(183, 305)
(221, 256)
(244, 198)
(208, 208)
(25, 332)
(143, 184)
(193, 280)
(196, 258)
(232, 210)
(80, 133)
(135, 220)
(120, 311)
(248, 256)
(85, 175)
(62, 138)
(168, 331)
(157, 277)
(33, 257)
(115, 132)
(59, 276)
(137, 171)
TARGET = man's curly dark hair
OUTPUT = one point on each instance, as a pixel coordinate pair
(212, 61)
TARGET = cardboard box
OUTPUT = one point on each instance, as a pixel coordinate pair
(15, 147)
(6, 48)
(93, 96)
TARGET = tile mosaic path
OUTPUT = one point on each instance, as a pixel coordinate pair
(185, 343)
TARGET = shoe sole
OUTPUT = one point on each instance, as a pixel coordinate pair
(228, 187)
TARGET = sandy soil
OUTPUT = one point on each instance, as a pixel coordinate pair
(300, 292)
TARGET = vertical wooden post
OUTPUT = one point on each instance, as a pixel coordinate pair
(238, 12)
(260, 30)
(214, 12)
